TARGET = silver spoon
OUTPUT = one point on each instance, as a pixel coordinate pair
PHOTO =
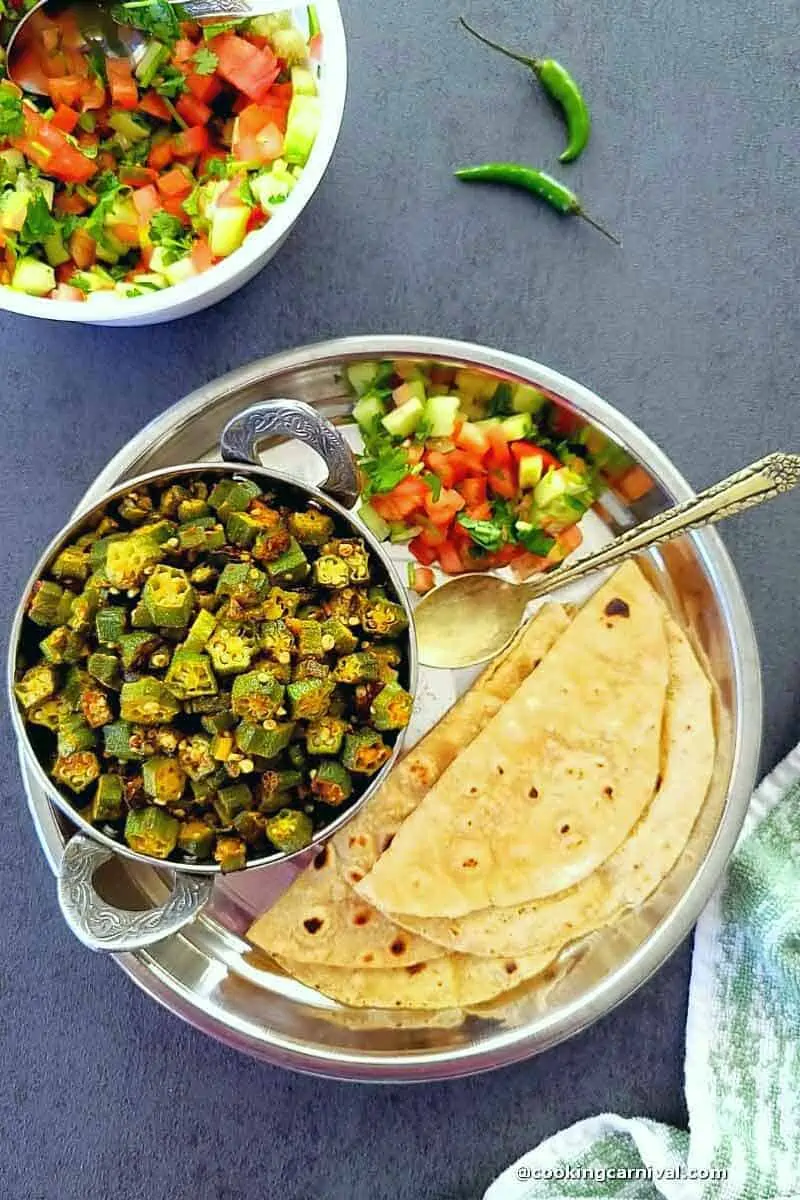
(101, 32)
(473, 617)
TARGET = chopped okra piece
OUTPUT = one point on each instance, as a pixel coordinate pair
(232, 495)
(241, 529)
(148, 702)
(203, 533)
(152, 831)
(194, 755)
(37, 684)
(290, 830)
(346, 606)
(190, 674)
(365, 752)
(160, 531)
(147, 740)
(291, 567)
(76, 771)
(357, 668)
(105, 669)
(203, 575)
(135, 648)
(98, 551)
(330, 571)
(44, 604)
(232, 800)
(273, 789)
(297, 756)
(280, 603)
(72, 563)
(171, 498)
(310, 612)
(74, 685)
(84, 609)
(256, 695)
(231, 648)
(108, 799)
(309, 698)
(74, 734)
(309, 637)
(140, 617)
(389, 657)
(222, 746)
(271, 544)
(48, 713)
(136, 507)
(354, 553)
(63, 645)
(251, 826)
(169, 597)
(332, 783)
(278, 640)
(391, 708)
(129, 558)
(190, 510)
(196, 838)
(164, 779)
(244, 583)
(96, 707)
(266, 743)
(110, 625)
(343, 641)
(310, 668)
(325, 735)
(311, 528)
(200, 631)
(230, 853)
(117, 741)
(384, 618)
(217, 722)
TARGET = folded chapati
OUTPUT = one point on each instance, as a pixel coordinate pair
(638, 866)
(556, 780)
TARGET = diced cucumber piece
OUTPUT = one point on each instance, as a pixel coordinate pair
(374, 522)
(488, 423)
(178, 271)
(399, 533)
(94, 280)
(55, 250)
(402, 422)
(362, 376)
(518, 427)
(527, 399)
(270, 189)
(530, 471)
(110, 249)
(33, 277)
(442, 412)
(228, 228)
(368, 411)
(125, 123)
(302, 127)
(13, 210)
(150, 279)
(11, 163)
(153, 58)
(303, 82)
(411, 390)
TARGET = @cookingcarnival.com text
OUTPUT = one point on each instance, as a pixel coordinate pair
(603, 1174)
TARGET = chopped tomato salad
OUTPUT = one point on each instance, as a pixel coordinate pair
(127, 178)
(475, 474)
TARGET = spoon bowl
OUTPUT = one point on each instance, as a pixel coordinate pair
(86, 20)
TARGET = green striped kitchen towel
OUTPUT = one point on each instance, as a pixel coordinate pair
(742, 1048)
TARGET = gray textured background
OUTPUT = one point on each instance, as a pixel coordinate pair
(691, 329)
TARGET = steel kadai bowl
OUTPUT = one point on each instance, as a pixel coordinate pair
(209, 974)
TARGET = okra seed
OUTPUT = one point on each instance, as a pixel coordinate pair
(247, 765)
(284, 657)
(113, 591)
(131, 592)
(172, 542)
(327, 642)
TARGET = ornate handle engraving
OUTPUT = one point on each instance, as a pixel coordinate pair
(294, 419)
(762, 480)
(99, 925)
(199, 9)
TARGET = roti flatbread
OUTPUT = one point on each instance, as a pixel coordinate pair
(554, 783)
(643, 860)
(319, 918)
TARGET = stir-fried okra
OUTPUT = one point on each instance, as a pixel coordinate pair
(213, 671)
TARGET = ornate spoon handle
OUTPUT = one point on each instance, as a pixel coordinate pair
(761, 481)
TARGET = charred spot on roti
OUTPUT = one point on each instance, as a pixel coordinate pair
(659, 782)
(564, 829)
(500, 770)
(511, 968)
(609, 791)
(321, 859)
(536, 663)
(387, 841)
(313, 924)
(415, 968)
(617, 608)
(398, 946)
(355, 876)
(367, 958)
(534, 793)
(361, 917)
(470, 862)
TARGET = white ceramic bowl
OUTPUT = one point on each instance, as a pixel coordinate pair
(259, 247)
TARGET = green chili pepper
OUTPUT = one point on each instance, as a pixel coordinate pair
(556, 194)
(560, 87)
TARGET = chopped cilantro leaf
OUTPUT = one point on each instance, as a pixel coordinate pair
(434, 483)
(12, 120)
(487, 534)
(39, 222)
(167, 232)
(157, 17)
(216, 168)
(204, 61)
(171, 82)
(423, 430)
(384, 465)
(535, 541)
(500, 405)
(246, 194)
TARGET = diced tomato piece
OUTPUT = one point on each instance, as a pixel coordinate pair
(440, 464)
(397, 504)
(251, 70)
(281, 94)
(421, 580)
(124, 92)
(65, 292)
(635, 483)
(430, 534)
(184, 50)
(48, 148)
(161, 155)
(502, 482)
(203, 87)
(473, 490)
(465, 465)
(264, 147)
(525, 564)
(565, 422)
(175, 184)
(218, 152)
(94, 96)
(570, 539)
(137, 177)
(146, 202)
(202, 257)
(193, 111)
(472, 439)
(442, 511)
(66, 202)
(423, 550)
(520, 450)
(230, 197)
(174, 206)
(153, 104)
(450, 559)
(64, 118)
(191, 142)
(126, 233)
(83, 249)
(498, 454)
(315, 47)
(480, 512)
